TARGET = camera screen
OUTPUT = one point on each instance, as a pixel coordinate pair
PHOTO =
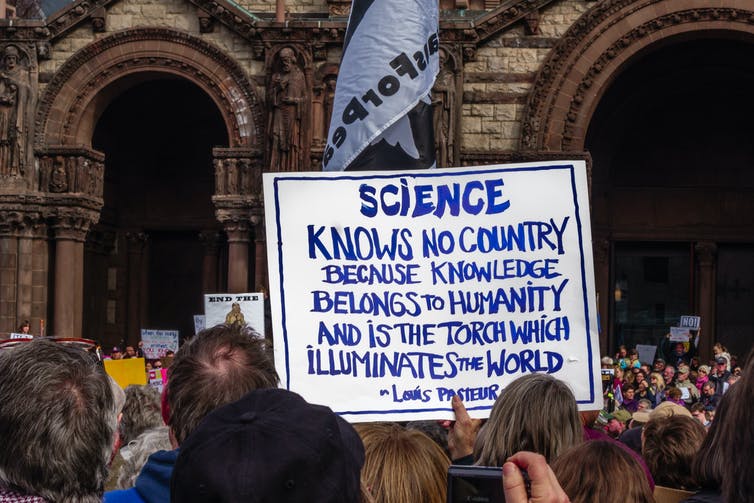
(475, 484)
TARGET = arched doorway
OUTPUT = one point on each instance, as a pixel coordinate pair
(70, 109)
(145, 264)
(670, 144)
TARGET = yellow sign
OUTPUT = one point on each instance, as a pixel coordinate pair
(125, 372)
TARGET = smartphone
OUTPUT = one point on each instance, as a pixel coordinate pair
(475, 484)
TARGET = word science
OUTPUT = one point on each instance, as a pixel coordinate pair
(391, 292)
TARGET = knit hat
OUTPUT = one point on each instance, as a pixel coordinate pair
(270, 446)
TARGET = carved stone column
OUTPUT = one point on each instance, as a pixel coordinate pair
(70, 233)
(260, 256)
(72, 178)
(601, 253)
(237, 228)
(238, 197)
(706, 257)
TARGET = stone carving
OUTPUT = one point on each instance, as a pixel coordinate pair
(15, 110)
(443, 103)
(287, 98)
(71, 173)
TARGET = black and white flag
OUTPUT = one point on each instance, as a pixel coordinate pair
(382, 114)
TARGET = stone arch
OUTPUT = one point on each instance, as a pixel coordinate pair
(83, 87)
(596, 49)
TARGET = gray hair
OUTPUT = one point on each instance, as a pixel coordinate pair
(141, 412)
(57, 422)
(536, 412)
(136, 453)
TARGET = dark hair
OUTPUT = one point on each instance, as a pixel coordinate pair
(670, 445)
(736, 437)
(57, 421)
(601, 470)
(216, 367)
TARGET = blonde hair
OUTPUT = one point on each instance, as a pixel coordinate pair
(660, 381)
(536, 412)
(402, 465)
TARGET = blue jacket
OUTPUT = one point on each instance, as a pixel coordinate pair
(152, 484)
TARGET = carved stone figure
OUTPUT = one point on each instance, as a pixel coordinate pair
(231, 172)
(287, 93)
(15, 93)
(443, 101)
(219, 177)
(58, 177)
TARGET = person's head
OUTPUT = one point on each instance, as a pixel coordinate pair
(271, 445)
(721, 364)
(535, 412)
(157, 364)
(130, 352)
(639, 377)
(622, 351)
(668, 373)
(115, 354)
(606, 362)
(138, 450)
(657, 381)
(701, 415)
(217, 366)
(643, 405)
(708, 389)
(628, 391)
(141, 412)
(679, 349)
(669, 445)
(659, 365)
(600, 470)
(615, 427)
(633, 355)
(673, 393)
(683, 373)
(642, 385)
(57, 421)
(702, 371)
(25, 327)
(402, 464)
(719, 349)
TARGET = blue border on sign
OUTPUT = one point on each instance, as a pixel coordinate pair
(431, 174)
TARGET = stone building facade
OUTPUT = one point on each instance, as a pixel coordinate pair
(134, 134)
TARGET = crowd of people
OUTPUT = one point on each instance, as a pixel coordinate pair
(223, 430)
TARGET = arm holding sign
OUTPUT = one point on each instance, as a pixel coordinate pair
(462, 432)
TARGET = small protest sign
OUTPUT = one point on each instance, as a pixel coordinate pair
(392, 292)
(235, 308)
(199, 323)
(646, 353)
(16, 335)
(690, 322)
(158, 342)
(125, 372)
(679, 334)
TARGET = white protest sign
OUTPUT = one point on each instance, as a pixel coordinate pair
(229, 308)
(158, 342)
(646, 353)
(199, 323)
(690, 322)
(679, 334)
(392, 292)
(16, 335)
